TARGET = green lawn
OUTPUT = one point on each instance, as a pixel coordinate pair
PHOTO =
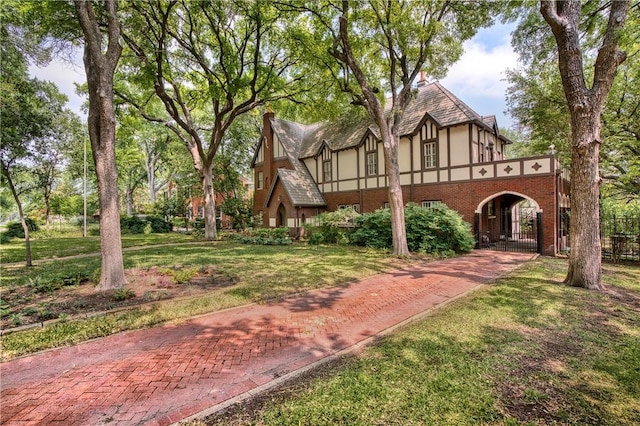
(43, 247)
(525, 350)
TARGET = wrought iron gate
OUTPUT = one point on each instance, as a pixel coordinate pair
(519, 231)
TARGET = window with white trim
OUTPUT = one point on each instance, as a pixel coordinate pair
(326, 170)
(427, 204)
(260, 180)
(372, 163)
(429, 153)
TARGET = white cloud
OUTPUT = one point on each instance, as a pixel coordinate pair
(479, 78)
(482, 71)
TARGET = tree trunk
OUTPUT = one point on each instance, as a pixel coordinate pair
(151, 181)
(99, 68)
(390, 142)
(112, 272)
(210, 231)
(25, 228)
(585, 256)
(129, 201)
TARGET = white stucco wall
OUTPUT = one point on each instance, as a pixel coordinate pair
(459, 145)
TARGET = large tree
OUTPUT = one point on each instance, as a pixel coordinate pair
(100, 63)
(207, 63)
(27, 110)
(585, 101)
(52, 151)
(381, 46)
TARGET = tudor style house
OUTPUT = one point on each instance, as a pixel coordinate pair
(448, 154)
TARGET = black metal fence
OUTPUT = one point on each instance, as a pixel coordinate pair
(620, 238)
(518, 232)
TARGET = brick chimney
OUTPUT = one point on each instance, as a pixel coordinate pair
(423, 79)
(267, 146)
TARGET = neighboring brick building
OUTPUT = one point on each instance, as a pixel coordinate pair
(447, 154)
(195, 205)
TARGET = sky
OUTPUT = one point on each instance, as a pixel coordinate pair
(478, 78)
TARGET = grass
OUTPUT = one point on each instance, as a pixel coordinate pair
(259, 272)
(44, 247)
(526, 350)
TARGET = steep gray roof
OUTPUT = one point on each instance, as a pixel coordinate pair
(441, 105)
(304, 141)
(300, 188)
(298, 183)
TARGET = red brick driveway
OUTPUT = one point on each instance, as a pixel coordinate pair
(162, 375)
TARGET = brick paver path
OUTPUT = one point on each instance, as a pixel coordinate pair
(162, 375)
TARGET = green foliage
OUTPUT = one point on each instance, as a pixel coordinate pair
(144, 225)
(158, 225)
(123, 293)
(535, 96)
(173, 206)
(332, 227)
(266, 236)
(435, 230)
(373, 230)
(131, 225)
(240, 210)
(51, 280)
(179, 274)
(15, 230)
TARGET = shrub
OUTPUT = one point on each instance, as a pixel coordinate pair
(373, 230)
(159, 225)
(144, 225)
(332, 227)
(51, 280)
(131, 225)
(435, 230)
(123, 294)
(14, 229)
(267, 236)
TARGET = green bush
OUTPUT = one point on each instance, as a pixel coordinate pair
(435, 230)
(267, 236)
(332, 227)
(373, 230)
(159, 225)
(14, 230)
(131, 225)
(144, 225)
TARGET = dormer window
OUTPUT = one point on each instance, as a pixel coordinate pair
(371, 156)
(326, 170)
(429, 153)
(327, 174)
(372, 163)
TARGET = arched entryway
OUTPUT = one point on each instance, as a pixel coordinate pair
(281, 216)
(509, 221)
